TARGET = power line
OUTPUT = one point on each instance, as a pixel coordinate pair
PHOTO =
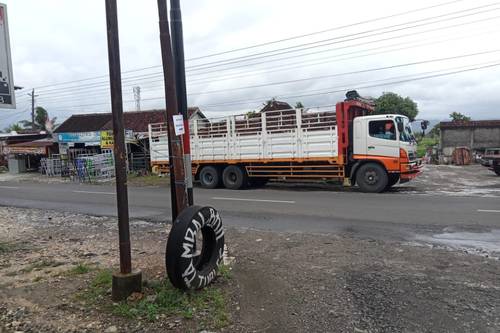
(63, 95)
(268, 43)
(348, 73)
(326, 30)
(357, 35)
(242, 102)
(316, 52)
(323, 93)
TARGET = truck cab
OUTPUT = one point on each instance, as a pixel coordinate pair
(383, 152)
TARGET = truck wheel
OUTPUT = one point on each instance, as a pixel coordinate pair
(195, 248)
(234, 177)
(393, 178)
(372, 178)
(209, 177)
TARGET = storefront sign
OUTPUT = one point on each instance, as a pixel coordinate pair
(90, 138)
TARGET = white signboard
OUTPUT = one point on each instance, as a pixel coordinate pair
(178, 124)
(7, 98)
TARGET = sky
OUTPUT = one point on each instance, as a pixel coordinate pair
(446, 58)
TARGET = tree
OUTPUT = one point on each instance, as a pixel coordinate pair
(392, 103)
(435, 131)
(14, 128)
(42, 121)
(299, 105)
(457, 116)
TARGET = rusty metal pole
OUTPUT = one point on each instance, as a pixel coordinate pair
(125, 282)
(180, 80)
(176, 158)
(119, 135)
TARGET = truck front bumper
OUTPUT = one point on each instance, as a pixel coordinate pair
(410, 170)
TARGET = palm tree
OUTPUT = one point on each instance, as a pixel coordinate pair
(14, 128)
(42, 121)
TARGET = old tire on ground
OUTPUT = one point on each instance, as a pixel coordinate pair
(393, 178)
(189, 266)
(209, 177)
(372, 178)
(234, 177)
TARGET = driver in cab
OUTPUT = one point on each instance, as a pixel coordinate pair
(387, 132)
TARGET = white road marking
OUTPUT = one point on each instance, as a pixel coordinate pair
(91, 192)
(488, 211)
(254, 200)
(10, 187)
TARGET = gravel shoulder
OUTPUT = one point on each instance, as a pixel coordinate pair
(280, 282)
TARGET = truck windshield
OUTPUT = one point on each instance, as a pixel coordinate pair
(406, 135)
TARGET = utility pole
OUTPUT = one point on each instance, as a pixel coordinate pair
(32, 95)
(176, 158)
(125, 282)
(137, 98)
(180, 75)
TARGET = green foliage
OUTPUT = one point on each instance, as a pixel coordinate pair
(160, 298)
(42, 121)
(252, 114)
(391, 103)
(435, 131)
(457, 116)
(39, 265)
(79, 269)
(225, 272)
(14, 127)
(6, 247)
(424, 144)
(299, 105)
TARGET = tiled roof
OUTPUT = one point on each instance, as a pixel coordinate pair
(136, 121)
(474, 123)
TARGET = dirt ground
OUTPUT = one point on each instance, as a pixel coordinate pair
(279, 282)
(467, 180)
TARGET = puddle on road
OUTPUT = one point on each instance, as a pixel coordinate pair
(481, 243)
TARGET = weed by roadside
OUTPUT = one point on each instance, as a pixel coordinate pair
(39, 265)
(79, 269)
(160, 300)
(7, 247)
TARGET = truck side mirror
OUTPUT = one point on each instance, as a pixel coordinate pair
(401, 127)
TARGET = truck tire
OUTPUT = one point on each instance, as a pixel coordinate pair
(393, 178)
(209, 177)
(234, 177)
(372, 178)
(188, 268)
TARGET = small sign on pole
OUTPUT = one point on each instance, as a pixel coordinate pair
(7, 96)
(178, 124)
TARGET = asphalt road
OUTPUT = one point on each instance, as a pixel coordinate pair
(386, 216)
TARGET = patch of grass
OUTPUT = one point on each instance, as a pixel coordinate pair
(79, 269)
(425, 143)
(207, 306)
(147, 180)
(225, 272)
(6, 247)
(37, 279)
(39, 265)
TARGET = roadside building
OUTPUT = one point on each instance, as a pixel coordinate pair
(88, 134)
(22, 152)
(474, 136)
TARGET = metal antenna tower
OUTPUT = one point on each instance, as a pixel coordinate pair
(137, 98)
